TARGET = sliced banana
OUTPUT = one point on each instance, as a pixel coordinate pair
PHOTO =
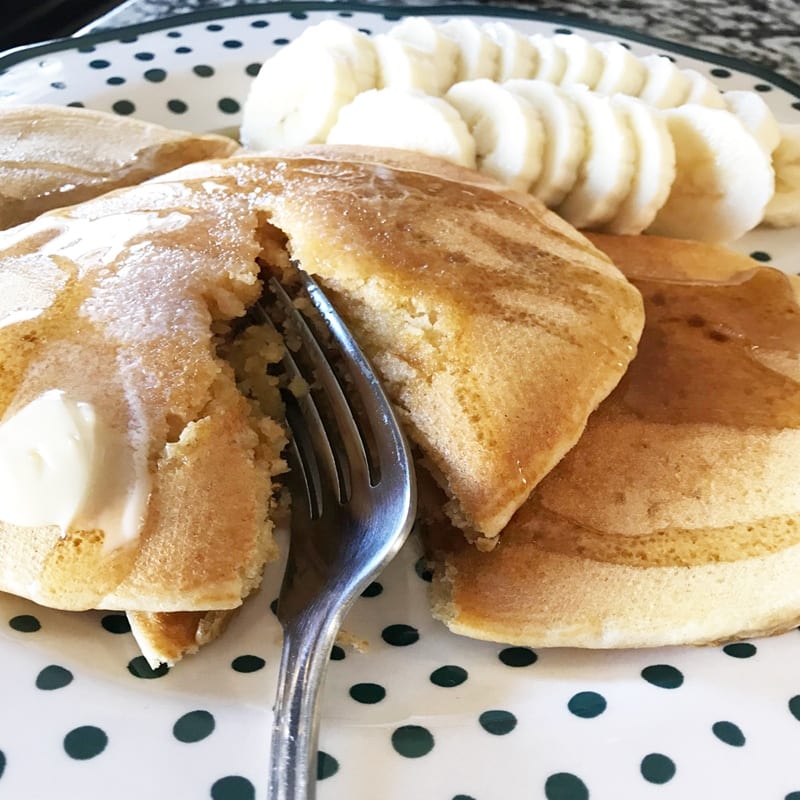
(606, 172)
(783, 210)
(702, 90)
(723, 178)
(665, 86)
(517, 55)
(508, 134)
(585, 62)
(564, 138)
(407, 119)
(354, 45)
(751, 110)
(478, 53)
(551, 60)
(623, 73)
(296, 97)
(403, 66)
(421, 33)
(654, 168)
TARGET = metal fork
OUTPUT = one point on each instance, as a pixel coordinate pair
(353, 505)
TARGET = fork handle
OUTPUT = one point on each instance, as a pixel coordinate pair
(307, 643)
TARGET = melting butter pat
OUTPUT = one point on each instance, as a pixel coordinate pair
(48, 459)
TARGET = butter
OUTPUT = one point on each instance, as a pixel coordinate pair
(59, 465)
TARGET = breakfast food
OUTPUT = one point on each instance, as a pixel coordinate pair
(674, 520)
(127, 371)
(611, 141)
(52, 156)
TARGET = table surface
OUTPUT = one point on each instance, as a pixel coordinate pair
(764, 32)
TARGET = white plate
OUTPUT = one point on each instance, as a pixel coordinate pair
(438, 717)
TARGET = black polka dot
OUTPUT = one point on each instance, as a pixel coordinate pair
(203, 70)
(248, 663)
(373, 590)
(87, 48)
(337, 653)
(400, 635)
(565, 786)
(273, 606)
(497, 722)
(392, 17)
(657, 768)
(232, 44)
(794, 707)
(740, 650)
(463, 797)
(253, 69)
(625, 45)
(423, 570)
(367, 693)
(25, 623)
(233, 787)
(144, 56)
(2, 763)
(280, 41)
(563, 30)
(587, 704)
(298, 15)
(365, 31)
(790, 796)
(796, 105)
(517, 656)
(124, 107)
(412, 741)
(139, 668)
(155, 75)
(75, 104)
(115, 80)
(128, 39)
(729, 733)
(448, 676)
(53, 677)
(327, 765)
(668, 57)
(58, 85)
(214, 27)
(663, 675)
(763, 87)
(116, 623)
(720, 72)
(174, 34)
(99, 63)
(259, 23)
(85, 742)
(177, 106)
(183, 50)
(194, 726)
(760, 255)
(347, 14)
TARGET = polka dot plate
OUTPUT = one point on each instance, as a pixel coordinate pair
(421, 713)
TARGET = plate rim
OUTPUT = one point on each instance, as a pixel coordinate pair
(26, 52)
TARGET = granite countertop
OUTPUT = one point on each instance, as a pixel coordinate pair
(764, 32)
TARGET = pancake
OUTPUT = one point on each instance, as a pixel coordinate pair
(127, 303)
(676, 517)
(53, 156)
(495, 327)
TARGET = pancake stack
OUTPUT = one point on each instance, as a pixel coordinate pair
(676, 517)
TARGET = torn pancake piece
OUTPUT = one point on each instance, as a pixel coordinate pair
(676, 517)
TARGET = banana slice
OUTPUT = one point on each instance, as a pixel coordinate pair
(296, 97)
(478, 53)
(551, 59)
(723, 178)
(751, 110)
(702, 90)
(348, 42)
(508, 134)
(403, 66)
(606, 172)
(564, 138)
(584, 60)
(783, 210)
(407, 119)
(654, 168)
(665, 86)
(517, 55)
(421, 33)
(623, 73)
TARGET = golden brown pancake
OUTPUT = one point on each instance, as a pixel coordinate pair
(54, 156)
(676, 517)
(495, 327)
